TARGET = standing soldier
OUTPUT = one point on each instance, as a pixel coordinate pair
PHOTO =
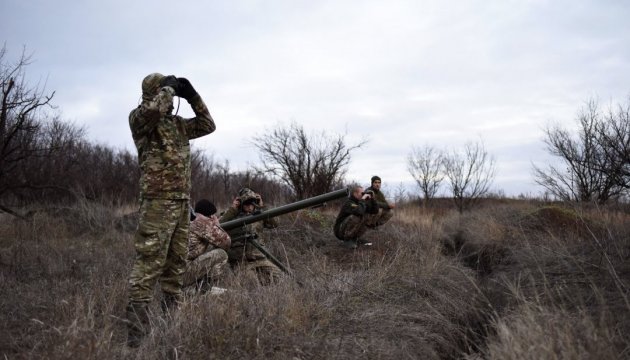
(162, 141)
(242, 253)
(385, 208)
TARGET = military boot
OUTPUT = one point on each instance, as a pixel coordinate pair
(138, 325)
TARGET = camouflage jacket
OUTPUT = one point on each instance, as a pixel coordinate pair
(205, 232)
(240, 249)
(162, 140)
(356, 207)
(380, 198)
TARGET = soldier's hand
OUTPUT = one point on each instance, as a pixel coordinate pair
(391, 205)
(365, 196)
(236, 203)
(171, 81)
(186, 90)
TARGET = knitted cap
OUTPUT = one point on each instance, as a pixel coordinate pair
(205, 207)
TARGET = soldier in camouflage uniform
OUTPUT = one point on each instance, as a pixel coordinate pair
(207, 246)
(162, 141)
(385, 208)
(243, 254)
(356, 213)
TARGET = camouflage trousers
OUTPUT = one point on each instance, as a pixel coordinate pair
(209, 266)
(353, 227)
(161, 243)
(383, 216)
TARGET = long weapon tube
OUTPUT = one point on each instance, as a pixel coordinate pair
(284, 209)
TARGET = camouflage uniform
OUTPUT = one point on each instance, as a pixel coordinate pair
(162, 141)
(384, 212)
(242, 253)
(353, 218)
(207, 245)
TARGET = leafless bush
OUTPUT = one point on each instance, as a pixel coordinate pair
(469, 174)
(216, 182)
(425, 166)
(310, 164)
(594, 164)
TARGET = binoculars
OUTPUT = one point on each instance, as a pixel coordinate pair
(173, 82)
(368, 192)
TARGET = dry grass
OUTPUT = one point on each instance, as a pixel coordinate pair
(510, 281)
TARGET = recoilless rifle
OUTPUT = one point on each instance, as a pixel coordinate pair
(280, 210)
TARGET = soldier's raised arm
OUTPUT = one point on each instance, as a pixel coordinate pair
(145, 118)
(202, 124)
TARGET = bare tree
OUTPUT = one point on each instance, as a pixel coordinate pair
(614, 136)
(29, 137)
(400, 194)
(425, 166)
(593, 162)
(310, 164)
(469, 173)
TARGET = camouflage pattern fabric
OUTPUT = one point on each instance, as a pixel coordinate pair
(379, 197)
(161, 240)
(161, 248)
(241, 250)
(151, 86)
(383, 216)
(243, 255)
(263, 270)
(162, 141)
(245, 194)
(384, 212)
(206, 234)
(352, 227)
(209, 266)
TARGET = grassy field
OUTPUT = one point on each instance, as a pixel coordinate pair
(517, 280)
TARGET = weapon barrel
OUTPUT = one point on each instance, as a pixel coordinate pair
(281, 210)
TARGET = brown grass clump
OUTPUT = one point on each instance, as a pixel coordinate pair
(538, 332)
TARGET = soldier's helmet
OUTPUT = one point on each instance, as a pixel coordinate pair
(248, 196)
(151, 85)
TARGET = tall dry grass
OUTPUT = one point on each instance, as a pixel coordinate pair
(511, 281)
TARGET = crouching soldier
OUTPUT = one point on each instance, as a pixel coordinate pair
(385, 208)
(242, 254)
(207, 246)
(354, 216)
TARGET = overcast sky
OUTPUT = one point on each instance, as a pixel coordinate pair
(399, 73)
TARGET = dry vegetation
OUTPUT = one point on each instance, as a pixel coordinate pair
(510, 281)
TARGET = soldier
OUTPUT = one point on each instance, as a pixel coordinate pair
(351, 223)
(162, 141)
(207, 246)
(385, 207)
(242, 253)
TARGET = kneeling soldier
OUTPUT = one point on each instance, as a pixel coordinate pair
(207, 246)
(242, 253)
(354, 216)
(385, 208)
